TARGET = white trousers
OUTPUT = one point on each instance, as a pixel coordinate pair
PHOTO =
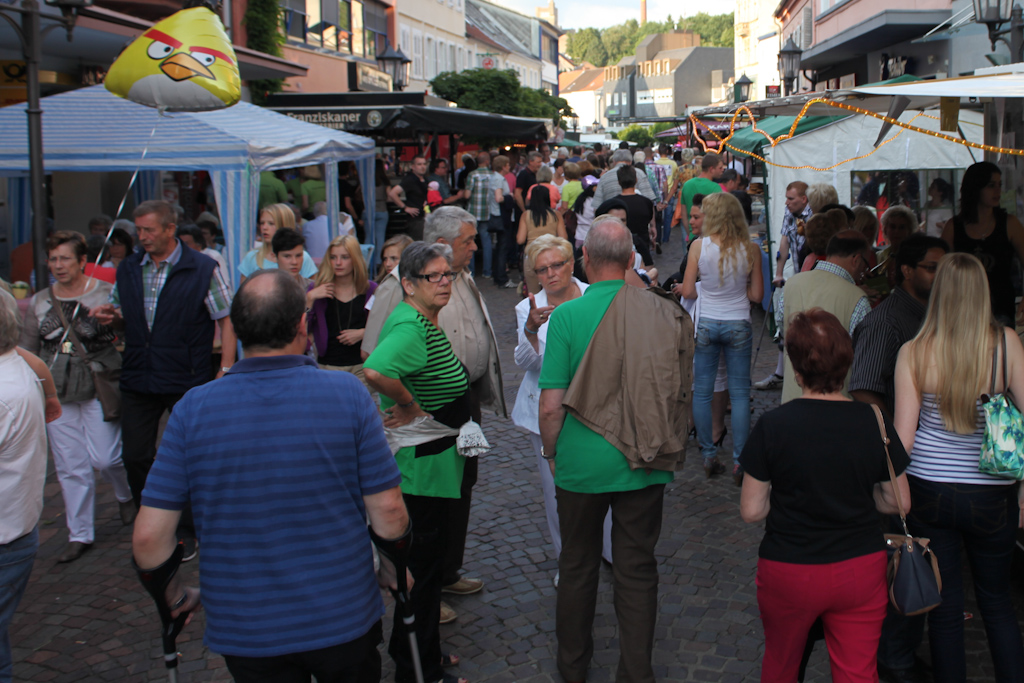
(80, 441)
(547, 484)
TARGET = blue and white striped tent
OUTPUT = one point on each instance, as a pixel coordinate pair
(91, 129)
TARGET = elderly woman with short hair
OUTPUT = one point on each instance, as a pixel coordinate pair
(550, 259)
(417, 374)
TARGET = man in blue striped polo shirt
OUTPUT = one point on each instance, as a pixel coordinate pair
(283, 464)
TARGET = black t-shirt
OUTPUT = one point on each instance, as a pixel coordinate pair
(415, 191)
(343, 316)
(639, 212)
(823, 459)
(525, 180)
(347, 189)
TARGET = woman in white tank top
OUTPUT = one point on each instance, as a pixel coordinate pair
(729, 268)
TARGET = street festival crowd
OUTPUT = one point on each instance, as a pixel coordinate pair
(382, 370)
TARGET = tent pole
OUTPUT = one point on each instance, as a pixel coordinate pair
(30, 24)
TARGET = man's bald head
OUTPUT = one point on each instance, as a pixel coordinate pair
(267, 310)
(608, 243)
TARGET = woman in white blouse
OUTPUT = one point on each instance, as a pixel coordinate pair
(550, 257)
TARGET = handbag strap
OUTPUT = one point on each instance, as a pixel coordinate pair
(75, 341)
(995, 367)
(892, 470)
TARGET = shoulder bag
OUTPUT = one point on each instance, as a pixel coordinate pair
(915, 586)
(107, 381)
(1002, 447)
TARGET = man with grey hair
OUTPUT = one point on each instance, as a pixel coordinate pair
(608, 187)
(23, 461)
(613, 431)
(317, 231)
(467, 324)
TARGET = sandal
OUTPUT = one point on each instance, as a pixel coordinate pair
(451, 678)
(450, 659)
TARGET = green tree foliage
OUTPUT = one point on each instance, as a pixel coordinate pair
(602, 47)
(585, 45)
(262, 22)
(499, 92)
(638, 134)
(716, 30)
(661, 127)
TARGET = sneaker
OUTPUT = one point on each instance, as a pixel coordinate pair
(769, 383)
(448, 615)
(464, 586)
(737, 475)
(557, 574)
(128, 511)
(511, 284)
(191, 549)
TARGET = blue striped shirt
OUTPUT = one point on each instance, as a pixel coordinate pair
(940, 455)
(276, 458)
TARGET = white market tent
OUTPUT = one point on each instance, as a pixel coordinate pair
(855, 136)
(981, 85)
(92, 130)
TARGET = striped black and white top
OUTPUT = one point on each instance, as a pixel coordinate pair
(941, 455)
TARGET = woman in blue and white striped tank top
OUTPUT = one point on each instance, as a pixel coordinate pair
(940, 375)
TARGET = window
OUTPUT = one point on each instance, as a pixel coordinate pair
(293, 15)
(404, 40)
(417, 54)
(451, 57)
(358, 39)
(608, 97)
(462, 59)
(375, 21)
(431, 60)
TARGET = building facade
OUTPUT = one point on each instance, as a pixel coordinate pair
(757, 42)
(583, 89)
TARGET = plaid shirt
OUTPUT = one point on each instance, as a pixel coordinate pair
(660, 174)
(479, 184)
(796, 242)
(154, 276)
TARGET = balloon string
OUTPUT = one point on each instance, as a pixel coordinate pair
(106, 240)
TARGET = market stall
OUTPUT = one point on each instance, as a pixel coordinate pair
(92, 130)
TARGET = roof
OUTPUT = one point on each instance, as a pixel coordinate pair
(476, 34)
(507, 28)
(587, 79)
(751, 140)
(888, 27)
(91, 129)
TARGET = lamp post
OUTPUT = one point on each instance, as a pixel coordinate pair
(575, 120)
(741, 89)
(789, 65)
(31, 35)
(994, 13)
(395, 64)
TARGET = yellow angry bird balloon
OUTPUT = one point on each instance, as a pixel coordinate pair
(183, 63)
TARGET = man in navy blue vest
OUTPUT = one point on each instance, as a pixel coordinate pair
(165, 303)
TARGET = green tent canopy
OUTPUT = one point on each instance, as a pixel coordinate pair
(750, 141)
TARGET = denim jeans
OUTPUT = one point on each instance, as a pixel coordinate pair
(666, 222)
(486, 246)
(984, 520)
(380, 228)
(16, 560)
(733, 337)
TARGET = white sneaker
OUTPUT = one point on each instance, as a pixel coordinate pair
(556, 579)
(769, 383)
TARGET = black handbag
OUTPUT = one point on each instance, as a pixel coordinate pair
(915, 586)
(106, 380)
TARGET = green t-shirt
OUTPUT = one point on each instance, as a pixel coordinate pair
(413, 350)
(315, 190)
(272, 189)
(571, 192)
(585, 462)
(695, 186)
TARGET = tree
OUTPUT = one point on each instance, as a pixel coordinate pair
(661, 127)
(620, 40)
(488, 90)
(263, 28)
(585, 45)
(637, 134)
(716, 30)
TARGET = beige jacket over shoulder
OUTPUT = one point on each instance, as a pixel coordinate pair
(466, 323)
(633, 386)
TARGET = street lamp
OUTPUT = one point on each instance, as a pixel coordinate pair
(741, 89)
(789, 65)
(575, 120)
(395, 64)
(31, 35)
(994, 13)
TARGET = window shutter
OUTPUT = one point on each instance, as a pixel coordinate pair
(807, 32)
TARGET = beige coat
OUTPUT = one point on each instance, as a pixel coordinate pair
(633, 386)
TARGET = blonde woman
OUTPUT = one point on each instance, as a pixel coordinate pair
(729, 266)
(940, 375)
(391, 255)
(821, 195)
(273, 218)
(338, 294)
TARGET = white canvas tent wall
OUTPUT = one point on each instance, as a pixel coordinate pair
(853, 137)
(91, 129)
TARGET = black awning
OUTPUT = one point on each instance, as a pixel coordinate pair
(471, 122)
(351, 119)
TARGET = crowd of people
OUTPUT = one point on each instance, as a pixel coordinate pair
(384, 367)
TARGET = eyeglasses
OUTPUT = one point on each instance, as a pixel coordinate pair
(434, 278)
(544, 271)
(929, 267)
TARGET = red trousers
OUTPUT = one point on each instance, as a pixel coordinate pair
(850, 597)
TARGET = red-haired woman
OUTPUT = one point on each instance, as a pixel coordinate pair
(815, 469)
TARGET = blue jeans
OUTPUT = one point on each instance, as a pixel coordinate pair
(666, 221)
(984, 520)
(380, 227)
(733, 337)
(486, 245)
(16, 560)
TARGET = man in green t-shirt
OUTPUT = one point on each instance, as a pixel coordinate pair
(591, 475)
(711, 166)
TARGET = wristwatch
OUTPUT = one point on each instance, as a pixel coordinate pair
(545, 455)
(224, 368)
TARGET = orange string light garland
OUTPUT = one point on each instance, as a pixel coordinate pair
(838, 105)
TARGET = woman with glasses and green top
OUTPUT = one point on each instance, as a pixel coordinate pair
(417, 375)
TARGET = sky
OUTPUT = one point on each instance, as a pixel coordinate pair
(604, 13)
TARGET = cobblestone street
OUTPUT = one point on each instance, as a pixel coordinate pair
(91, 621)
